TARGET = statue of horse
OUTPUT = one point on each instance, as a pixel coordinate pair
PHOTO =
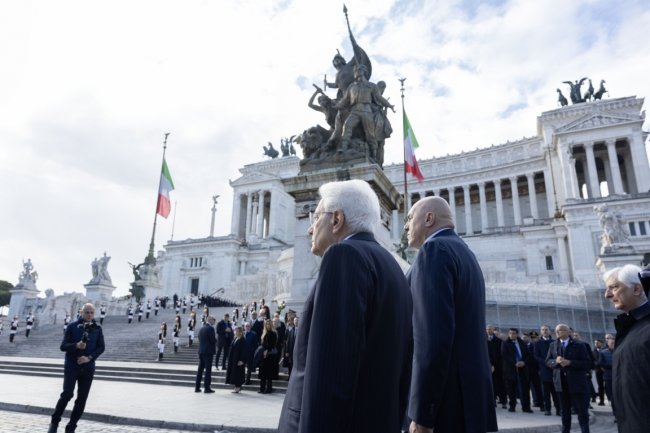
(561, 99)
(272, 152)
(601, 91)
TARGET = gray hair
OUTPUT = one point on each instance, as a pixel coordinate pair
(627, 274)
(356, 199)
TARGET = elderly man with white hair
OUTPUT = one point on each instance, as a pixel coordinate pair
(631, 359)
(357, 382)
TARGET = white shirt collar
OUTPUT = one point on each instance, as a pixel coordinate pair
(434, 234)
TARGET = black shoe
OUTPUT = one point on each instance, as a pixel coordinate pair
(53, 428)
(528, 410)
(70, 428)
(197, 389)
(503, 406)
(248, 382)
(547, 413)
(208, 391)
(512, 409)
(261, 391)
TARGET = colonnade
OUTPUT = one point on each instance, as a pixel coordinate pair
(258, 214)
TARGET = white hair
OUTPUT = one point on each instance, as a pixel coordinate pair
(627, 274)
(356, 199)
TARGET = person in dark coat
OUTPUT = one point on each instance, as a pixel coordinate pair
(357, 380)
(540, 350)
(605, 362)
(451, 384)
(570, 361)
(494, 353)
(235, 374)
(224, 340)
(82, 343)
(207, 348)
(291, 343)
(269, 366)
(252, 341)
(600, 393)
(515, 357)
(257, 324)
(631, 360)
(533, 372)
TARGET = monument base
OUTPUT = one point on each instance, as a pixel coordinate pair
(19, 296)
(304, 189)
(99, 292)
(623, 256)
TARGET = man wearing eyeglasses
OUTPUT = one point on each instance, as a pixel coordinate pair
(631, 358)
(356, 382)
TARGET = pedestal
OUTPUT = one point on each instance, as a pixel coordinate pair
(99, 292)
(304, 189)
(622, 256)
(19, 296)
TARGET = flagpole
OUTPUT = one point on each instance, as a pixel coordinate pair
(151, 259)
(406, 201)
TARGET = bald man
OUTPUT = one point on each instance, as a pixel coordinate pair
(451, 383)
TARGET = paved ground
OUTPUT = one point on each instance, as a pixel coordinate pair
(127, 407)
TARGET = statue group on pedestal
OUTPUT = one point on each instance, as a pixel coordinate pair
(576, 95)
(28, 276)
(357, 122)
(614, 234)
(100, 271)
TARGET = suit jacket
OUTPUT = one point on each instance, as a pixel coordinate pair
(576, 373)
(358, 383)
(291, 342)
(508, 355)
(540, 350)
(224, 338)
(251, 342)
(494, 353)
(451, 384)
(207, 340)
(258, 327)
(630, 373)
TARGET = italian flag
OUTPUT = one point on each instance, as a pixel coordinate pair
(164, 206)
(410, 144)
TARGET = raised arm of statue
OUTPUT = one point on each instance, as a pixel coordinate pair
(311, 100)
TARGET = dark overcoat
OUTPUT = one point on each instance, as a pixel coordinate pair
(631, 371)
(576, 373)
(540, 351)
(451, 384)
(236, 374)
(207, 340)
(357, 380)
(508, 357)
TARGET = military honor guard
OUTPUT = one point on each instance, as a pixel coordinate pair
(130, 313)
(148, 309)
(184, 305)
(102, 314)
(156, 306)
(162, 335)
(177, 305)
(140, 312)
(191, 324)
(13, 329)
(192, 302)
(66, 321)
(29, 324)
(177, 332)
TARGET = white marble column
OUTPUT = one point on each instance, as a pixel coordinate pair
(436, 192)
(532, 195)
(452, 201)
(640, 163)
(515, 200)
(260, 213)
(254, 216)
(249, 211)
(564, 264)
(550, 195)
(236, 214)
(614, 168)
(484, 215)
(594, 186)
(574, 191)
(469, 230)
(270, 231)
(497, 193)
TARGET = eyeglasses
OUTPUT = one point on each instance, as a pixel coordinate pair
(315, 216)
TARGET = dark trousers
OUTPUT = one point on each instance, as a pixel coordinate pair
(204, 371)
(578, 401)
(520, 385)
(601, 386)
(549, 392)
(226, 351)
(536, 388)
(608, 391)
(498, 386)
(84, 378)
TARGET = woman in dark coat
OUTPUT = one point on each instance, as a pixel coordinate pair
(235, 373)
(269, 367)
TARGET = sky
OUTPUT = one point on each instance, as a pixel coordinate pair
(88, 89)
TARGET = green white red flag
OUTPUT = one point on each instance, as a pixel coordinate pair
(410, 144)
(164, 205)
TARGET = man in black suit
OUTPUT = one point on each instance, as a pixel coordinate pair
(291, 343)
(570, 361)
(224, 339)
(533, 371)
(207, 348)
(515, 356)
(540, 350)
(494, 353)
(359, 382)
(451, 385)
(252, 341)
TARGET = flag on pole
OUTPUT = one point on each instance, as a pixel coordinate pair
(164, 206)
(410, 144)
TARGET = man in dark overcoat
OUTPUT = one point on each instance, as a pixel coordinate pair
(494, 353)
(207, 348)
(515, 357)
(451, 385)
(358, 383)
(224, 340)
(631, 358)
(540, 350)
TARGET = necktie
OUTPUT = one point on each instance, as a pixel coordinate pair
(518, 352)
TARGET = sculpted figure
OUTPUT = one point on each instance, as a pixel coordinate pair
(612, 225)
(576, 96)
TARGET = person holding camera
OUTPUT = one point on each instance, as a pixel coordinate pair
(82, 343)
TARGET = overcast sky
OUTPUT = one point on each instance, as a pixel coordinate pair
(88, 89)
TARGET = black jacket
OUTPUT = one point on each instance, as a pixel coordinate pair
(207, 340)
(576, 373)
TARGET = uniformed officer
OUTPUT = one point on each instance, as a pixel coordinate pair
(102, 314)
(29, 323)
(13, 329)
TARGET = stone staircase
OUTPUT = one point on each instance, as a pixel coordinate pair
(131, 353)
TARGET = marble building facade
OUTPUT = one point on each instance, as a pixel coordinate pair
(525, 207)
